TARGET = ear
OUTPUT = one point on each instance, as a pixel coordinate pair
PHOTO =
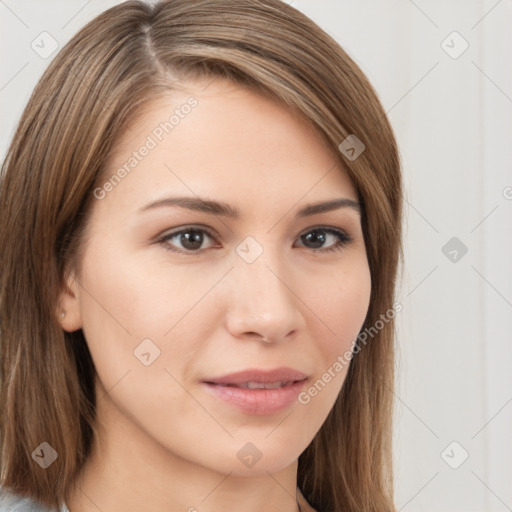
(69, 314)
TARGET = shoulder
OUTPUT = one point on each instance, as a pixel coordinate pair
(10, 502)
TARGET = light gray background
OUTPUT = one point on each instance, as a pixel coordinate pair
(451, 114)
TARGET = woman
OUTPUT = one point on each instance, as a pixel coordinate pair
(201, 224)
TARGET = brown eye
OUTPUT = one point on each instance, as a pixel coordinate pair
(187, 240)
(325, 239)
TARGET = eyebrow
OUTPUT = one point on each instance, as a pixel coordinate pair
(225, 210)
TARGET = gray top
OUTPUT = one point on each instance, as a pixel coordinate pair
(13, 503)
(10, 502)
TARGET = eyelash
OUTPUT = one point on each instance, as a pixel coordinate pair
(343, 239)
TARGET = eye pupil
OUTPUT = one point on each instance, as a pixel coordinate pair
(316, 238)
(192, 240)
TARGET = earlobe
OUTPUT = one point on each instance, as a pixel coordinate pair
(69, 312)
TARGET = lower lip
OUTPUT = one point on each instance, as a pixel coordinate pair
(258, 402)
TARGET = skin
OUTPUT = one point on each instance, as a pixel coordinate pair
(166, 443)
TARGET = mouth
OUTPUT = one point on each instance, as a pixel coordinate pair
(258, 392)
(257, 385)
(259, 377)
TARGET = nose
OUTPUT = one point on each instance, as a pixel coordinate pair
(261, 302)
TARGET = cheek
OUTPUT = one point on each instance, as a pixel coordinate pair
(147, 299)
(339, 302)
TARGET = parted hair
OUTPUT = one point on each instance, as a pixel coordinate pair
(97, 83)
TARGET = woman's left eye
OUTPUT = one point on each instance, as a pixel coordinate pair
(191, 240)
(325, 239)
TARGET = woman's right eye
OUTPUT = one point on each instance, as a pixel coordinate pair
(187, 240)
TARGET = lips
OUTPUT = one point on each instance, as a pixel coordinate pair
(258, 392)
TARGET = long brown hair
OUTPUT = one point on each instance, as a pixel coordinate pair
(97, 83)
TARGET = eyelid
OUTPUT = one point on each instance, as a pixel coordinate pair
(190, 227)
(328, 228)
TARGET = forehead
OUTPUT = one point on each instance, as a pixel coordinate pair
(219, 139)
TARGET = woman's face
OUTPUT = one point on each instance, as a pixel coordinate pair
(205, 258)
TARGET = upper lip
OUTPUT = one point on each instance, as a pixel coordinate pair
(256, 375)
